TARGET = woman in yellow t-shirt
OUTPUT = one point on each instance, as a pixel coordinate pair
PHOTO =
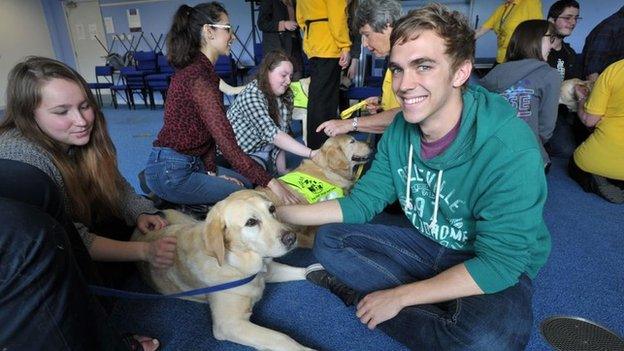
(506, 18)
(598, 163)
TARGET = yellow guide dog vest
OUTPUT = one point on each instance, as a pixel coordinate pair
(312, 189)
(300, 99)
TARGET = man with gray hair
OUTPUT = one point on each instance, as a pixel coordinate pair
(374, 20)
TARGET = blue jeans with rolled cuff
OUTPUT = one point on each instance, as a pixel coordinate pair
(182, 179)
(371, 257)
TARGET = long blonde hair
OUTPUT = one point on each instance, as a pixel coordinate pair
(92, 179)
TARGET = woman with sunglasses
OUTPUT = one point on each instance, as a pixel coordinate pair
(527, 81)
(182, 165)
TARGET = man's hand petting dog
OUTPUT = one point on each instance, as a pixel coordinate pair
(283, 192)
(160, 253)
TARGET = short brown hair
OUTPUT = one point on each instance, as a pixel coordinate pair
(451, 26)
(526, 40)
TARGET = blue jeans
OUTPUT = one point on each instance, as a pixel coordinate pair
(182, 179)
(371, 257)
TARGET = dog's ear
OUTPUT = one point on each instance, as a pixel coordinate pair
(214, 236)
(336, 158)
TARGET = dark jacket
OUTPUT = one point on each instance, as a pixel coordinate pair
(271, 12)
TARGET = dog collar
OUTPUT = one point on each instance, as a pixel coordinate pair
(313, 189)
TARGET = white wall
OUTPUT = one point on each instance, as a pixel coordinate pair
(23, 32)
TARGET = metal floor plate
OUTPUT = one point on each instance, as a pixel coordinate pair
(578, 334)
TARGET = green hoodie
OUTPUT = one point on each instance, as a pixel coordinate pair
(484, 194)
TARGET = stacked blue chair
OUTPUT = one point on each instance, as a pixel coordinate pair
(159, 82)
(132, 83)
(145, 61)
(163, 64)
(106, 73)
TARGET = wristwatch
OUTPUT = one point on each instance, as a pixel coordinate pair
(354, 123)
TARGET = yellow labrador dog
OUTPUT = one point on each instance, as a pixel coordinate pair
(568, 96)
(334, 165)
(238, 239)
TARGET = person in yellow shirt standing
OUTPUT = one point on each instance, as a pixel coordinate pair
(506, 18)
(326, 43)
(374, 20)
(598, 163)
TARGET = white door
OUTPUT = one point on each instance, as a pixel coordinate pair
(84, 20)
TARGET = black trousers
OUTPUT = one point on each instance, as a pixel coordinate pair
(44, 300)
(322, 97)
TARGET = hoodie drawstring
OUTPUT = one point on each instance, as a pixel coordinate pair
(436, 203)
(408, 189)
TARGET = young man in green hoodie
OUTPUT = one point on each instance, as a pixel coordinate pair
(469, 176)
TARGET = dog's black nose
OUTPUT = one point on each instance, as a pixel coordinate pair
(288, 239)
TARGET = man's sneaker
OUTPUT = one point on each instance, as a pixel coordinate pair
(607, 190)
(317, 275)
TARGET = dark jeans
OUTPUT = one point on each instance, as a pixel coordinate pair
(585, 179)
(322, 97)
(568, 134)
(371, 257)
(44, 301)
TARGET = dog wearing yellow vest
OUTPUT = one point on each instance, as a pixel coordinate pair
(328, 175)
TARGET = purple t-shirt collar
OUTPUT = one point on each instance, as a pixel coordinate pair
(435, 148)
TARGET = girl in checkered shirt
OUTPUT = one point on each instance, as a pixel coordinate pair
(261, 115)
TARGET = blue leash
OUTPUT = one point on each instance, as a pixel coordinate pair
(104, 291)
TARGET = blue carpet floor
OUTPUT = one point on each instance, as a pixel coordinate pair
(584, 275)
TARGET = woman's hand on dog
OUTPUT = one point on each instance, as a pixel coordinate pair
(335, 127)
(160, 253)
(148, 222)
(285, 193)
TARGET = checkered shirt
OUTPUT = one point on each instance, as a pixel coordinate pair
(251, 122)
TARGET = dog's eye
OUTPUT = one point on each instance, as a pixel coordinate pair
(251, 222)
(272, 209)
(351, 141)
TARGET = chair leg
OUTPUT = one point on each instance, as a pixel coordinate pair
(145, 95)
(98, 97)
(129, 99)
(114, 99)
(151, 99)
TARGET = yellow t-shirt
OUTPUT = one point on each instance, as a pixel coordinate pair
(603, 152)
(388, 100)
(507, 17)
